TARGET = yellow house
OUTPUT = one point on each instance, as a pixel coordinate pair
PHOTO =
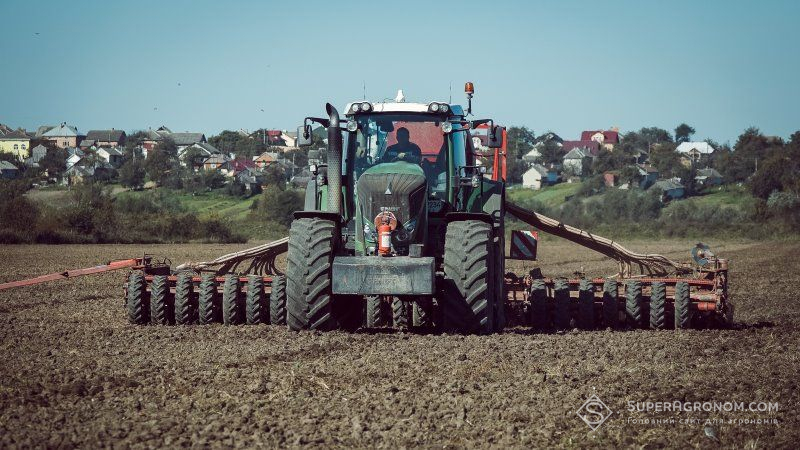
(16, 142)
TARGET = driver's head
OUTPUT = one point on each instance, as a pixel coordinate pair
(403, 135)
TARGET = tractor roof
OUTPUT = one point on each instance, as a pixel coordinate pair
(403, 107)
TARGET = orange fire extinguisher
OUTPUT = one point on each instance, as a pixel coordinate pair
(386, 223)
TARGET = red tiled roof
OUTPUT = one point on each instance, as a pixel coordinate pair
(241, 164)
(611, 137)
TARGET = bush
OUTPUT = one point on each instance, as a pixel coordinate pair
(278, 206)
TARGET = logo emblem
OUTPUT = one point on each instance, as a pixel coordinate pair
(594, 412)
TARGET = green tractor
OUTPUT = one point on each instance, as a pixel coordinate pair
(401, 224)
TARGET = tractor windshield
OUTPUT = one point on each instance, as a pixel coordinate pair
(412, 138)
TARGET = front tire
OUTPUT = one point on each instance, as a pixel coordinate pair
(309, 301)
(468, 302)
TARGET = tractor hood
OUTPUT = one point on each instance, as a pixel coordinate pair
(401, 188)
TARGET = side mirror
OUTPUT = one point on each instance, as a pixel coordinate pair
(304, 136)
(495, 137)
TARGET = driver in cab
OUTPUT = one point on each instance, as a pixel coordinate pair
(404, 149)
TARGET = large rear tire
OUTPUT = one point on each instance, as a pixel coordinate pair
(467, 300)
(633, 304)
(309, 301)
(277, 301)
(185, 310)
(683, 313)
(658, 305)
(136, 299)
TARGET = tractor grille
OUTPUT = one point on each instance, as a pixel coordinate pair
(402, 193)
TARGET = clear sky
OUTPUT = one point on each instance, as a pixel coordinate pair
(565, 66)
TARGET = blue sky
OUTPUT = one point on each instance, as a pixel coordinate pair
(565, 66)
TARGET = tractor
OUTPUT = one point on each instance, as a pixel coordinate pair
(400, 224)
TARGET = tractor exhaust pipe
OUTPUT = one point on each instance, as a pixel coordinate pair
(334, 161)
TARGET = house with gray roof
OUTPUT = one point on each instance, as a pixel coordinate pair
(63, 136)
(708, 177)
(538, 176)
(107, 138)
(37, 153)
(670, 189)
(8, 170)
(577, 161)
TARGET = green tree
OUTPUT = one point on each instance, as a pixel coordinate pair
(161, 164)
(132, 172)
(278, 205)
(520, 140)
(54, 162)
(664, 158)
(683, 133)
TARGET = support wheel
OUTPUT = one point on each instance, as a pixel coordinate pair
(561, 312)
(537, 311)
(207, 300)
(422, 312)
(586, 305)
(399, 313)
(231, 301)
(136, 299)
(375, 316)
(309, 301)
(658, 305)
(683, 312)
(277, 301)
(633, 304)
(611, 304)
(255, 309)
(160, 300)
(185, 308)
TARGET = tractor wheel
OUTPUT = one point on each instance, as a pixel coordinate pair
(185, 311)
(610, 304)
(537, 311)
(399, 313)
(255, 300)
(422, 312)
(375, 316)
(207, 303)
(231, 301)
(658, 305)
(683, 313)
(499, 283)
(136, 299)
(467, 300)
(561, 313)
(633, 304)
(159, 301)
(586, 305)
(277, 301)
(309, 301)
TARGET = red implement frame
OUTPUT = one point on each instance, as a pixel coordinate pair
(111, 266)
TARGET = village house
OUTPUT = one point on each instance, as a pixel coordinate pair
(606, 138)
(611, 178)
(63, 136)
(266, 159)
(110, 155)
(199, 152)
(649, 175)
(694, 151)
(708, 177)
(577, 162)
(106, 138)
(670, 189)
(74, 155)
(8, 171)
(15, 142)
(538, 177)
(219, 162)
(186, 139)
(37, 153)
(591, 148)
(153, 137)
